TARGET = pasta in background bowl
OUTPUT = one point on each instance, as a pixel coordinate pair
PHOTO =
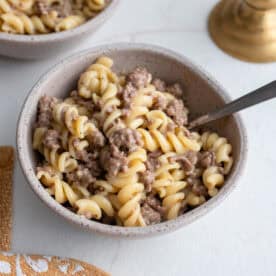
(32, 29)
(157, 174)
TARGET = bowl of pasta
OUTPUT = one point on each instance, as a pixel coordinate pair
(32, 29)
(103, 140)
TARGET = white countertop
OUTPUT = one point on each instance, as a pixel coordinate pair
(238, 237)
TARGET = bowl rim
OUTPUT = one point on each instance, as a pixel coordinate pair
(57, 36)
(129, 232)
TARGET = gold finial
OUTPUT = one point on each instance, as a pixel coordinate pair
(246, 29)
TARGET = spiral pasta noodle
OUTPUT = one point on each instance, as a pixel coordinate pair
(168, 178)
(60, 161)
(68, 115)
(75, 148)
(5, 6)
(171, 141)
(169, 183)
(221, 147)
(110, 113)
(95, 80)
(130, 190)
(140, 108)
(22, 24)
(213, 179)
(94, 206)
(61, 190)
(96, 5)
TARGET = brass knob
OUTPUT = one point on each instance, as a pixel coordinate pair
(262, 4)
(246, 29)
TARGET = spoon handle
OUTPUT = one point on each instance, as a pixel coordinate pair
(261, 94)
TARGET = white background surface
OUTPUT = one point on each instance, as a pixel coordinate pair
(237, 238)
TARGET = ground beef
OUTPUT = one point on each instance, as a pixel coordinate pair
(113, 160)
(152, 210)
(177, 111)
(108, 220)
(191, 180)
(93, 164)
(90, 160)
(97, 139)
(139, 78)
(159, 103)
(175, 90)
(155, 203)
(45, 107)
(41, 7)
(87, 103)
(126, 94)
(46, 168)
(80, 154)
(152, 162)
(187, 161)
(109, 109)
(147, 179)
(159, 85)
(196, 173)
(206, 159)
(51, 139)
(150, 215)
(95, 189)
(126, 139)
(126, 112)
(170, 127)
(196, 186)
(184, 208)
(81, 176)
(63, 8)
(199, 189)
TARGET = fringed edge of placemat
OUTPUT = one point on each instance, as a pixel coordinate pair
(6, 190)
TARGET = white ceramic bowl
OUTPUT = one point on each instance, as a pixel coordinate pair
(52, 44)
(201, 93)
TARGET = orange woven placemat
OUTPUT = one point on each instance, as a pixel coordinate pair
(6, 172)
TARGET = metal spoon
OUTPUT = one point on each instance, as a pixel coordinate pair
(262, 94)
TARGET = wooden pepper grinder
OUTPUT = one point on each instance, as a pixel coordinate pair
(246, 29)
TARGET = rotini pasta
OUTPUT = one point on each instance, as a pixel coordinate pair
(213, 179)
(41, 17)
(140, 107)
(221, 147)
(60, 161)
(61, 190)
(117, 150)
(130, 191)
(169, 184)
(68, 115)
(95, 80)
(93, 207)
(170, 141)
(110, 114)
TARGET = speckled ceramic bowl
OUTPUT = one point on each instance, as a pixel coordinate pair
(201, 93)
(47, 45)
